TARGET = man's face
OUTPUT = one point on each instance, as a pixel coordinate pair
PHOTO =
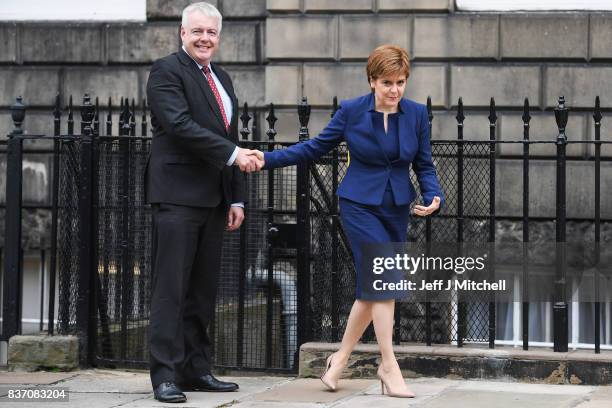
(201, 37)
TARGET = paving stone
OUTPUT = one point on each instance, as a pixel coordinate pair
(579, 84)
(283, 84)
(509, 387)
(544, 36)
(80, 400)
(38, 86)
(414, 5)
(479, 399)
(8, 42)
(38, 377)
(456, 36)
(510, 85)
(130, 43)
(378, 400)
(111, 381)
(66, 43)
(338, 5)
(301, 37)
(312, 390)
(249, 386)
(360, 35)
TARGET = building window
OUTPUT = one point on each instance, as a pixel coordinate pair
(533, 5)
(73, 10)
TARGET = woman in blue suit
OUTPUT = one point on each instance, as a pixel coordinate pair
(385, 134)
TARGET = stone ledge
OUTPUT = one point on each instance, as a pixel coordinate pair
(36, 352)
(508, 363)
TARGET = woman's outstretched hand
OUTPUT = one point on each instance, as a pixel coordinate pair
(423, 211)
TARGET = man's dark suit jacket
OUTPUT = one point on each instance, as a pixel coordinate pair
(191, 146)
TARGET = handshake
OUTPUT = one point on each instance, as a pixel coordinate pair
(249, 160)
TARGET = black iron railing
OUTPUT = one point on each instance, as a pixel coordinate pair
(287, 274)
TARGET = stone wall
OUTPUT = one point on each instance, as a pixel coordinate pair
(280, 50)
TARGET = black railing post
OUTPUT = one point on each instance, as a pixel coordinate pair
(524, 288)
(244, 231)
(333, 212)
(461, 312)
(560, 309)
(57, 114)
(303, 233)
(428, 328)
(597, 317)
(126, 266)
(84, 295)
(13, 273)
(492, 129)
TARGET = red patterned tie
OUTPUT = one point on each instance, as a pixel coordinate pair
(215, 91)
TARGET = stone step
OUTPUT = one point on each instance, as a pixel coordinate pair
(537, 365)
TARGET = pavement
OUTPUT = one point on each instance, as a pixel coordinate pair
(97, 388)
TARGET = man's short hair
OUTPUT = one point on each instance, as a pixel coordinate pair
(206, 9)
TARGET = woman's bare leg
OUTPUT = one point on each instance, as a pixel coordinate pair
(382, 314)
(358, 321)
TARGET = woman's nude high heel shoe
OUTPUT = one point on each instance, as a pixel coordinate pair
(383, 385)
(326, 381)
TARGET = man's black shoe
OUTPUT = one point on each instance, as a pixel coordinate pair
(169, 392)
(208, 383)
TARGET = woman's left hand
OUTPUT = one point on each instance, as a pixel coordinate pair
(422, 211)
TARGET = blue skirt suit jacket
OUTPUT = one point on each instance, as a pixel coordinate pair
(376, 191)
(370, 169)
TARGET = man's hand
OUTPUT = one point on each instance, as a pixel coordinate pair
(260, 156)
(248, 160)
(422, 211)
(235, 216)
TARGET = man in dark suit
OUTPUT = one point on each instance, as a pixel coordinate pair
(196, 189)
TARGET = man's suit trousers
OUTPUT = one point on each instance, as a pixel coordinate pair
(186, 251)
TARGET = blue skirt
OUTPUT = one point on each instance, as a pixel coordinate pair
(365, 224)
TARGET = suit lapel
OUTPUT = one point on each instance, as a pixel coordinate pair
(200, 79)
(403, 116)
(370, 109)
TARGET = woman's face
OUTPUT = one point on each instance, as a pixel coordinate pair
(388, 90)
